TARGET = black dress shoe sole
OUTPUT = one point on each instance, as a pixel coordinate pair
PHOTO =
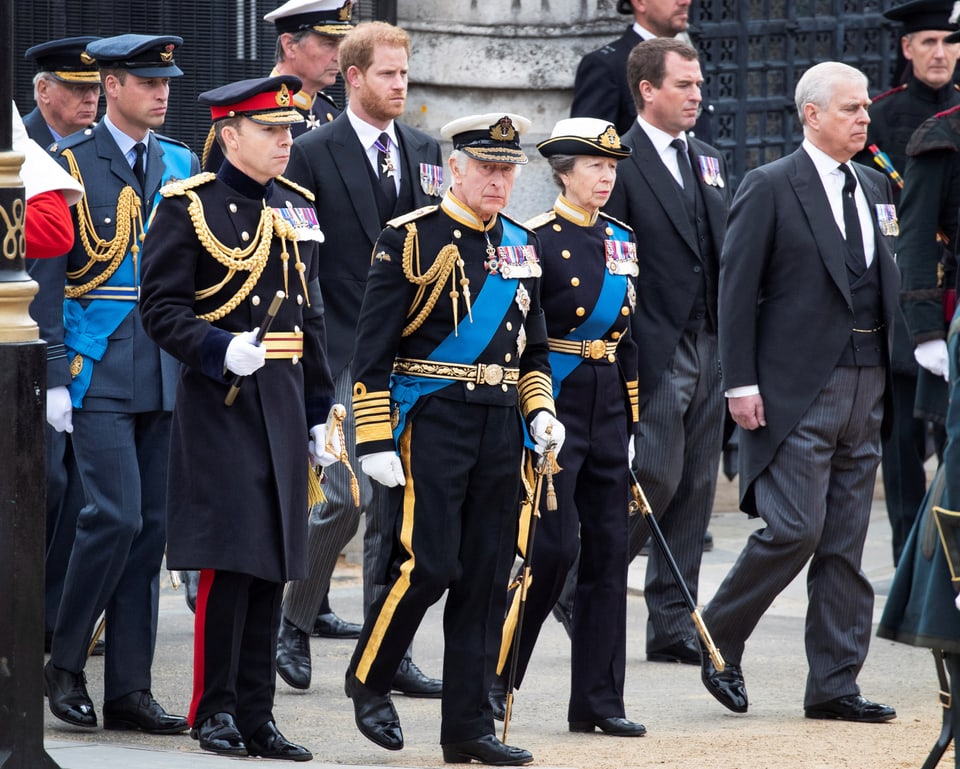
(67, 720)
(830, 715)
(667, 657)
(305, 756)
(588, 727)
(418, 695)
(456, 756)
(236, 752)
(130, 725)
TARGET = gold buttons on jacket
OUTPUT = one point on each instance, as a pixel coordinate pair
(574, 281)
(614, 335)
(255, 300)
(581, 312)
(565, 253)
(556, 227)
(457, 234)
(624, 310)
(608, 230)
(233, 208)
(244, 235)
(509, 326)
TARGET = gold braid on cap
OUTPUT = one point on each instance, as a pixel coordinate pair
(444, 266)
(251, 259)
(97, 249)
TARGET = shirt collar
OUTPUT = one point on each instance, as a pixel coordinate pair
(124, 141)
(574, 213)
(645, 34)
(661, 139)
(826, 166)
(458, 211)
(370, 134)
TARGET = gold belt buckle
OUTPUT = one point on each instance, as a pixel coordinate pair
(491, 374)
(597, 349)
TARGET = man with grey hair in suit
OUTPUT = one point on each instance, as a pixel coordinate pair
(808, 292)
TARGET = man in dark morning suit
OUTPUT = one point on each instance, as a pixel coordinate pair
(364, 168)
(241, 521)
(600, 88)
(66, 89)
(808, 292)
(673, 193)
(122, 393)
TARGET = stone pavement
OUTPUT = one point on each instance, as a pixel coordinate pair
(322, 717)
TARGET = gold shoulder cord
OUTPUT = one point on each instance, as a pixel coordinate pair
(251, 259)
(444, 266)
(98, 249)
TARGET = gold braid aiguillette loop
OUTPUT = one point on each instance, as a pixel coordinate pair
(286, 231)
(252, 259)
(443, 267)
(96, 248)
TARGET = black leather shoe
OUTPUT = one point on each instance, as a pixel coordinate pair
(618, 727)
(853, 707)
(707, 542)
(67, 696)
(329, 625)
(411, 681)
(293, 655)
(726, 687)
(139, 711)
(191, 582)
(374, 713)
(487, 750)
(99, 647)
(686, 651)
(498, 698)
(219, 734)
(267, 742)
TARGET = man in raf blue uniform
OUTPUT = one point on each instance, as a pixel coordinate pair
(66, 88)
(121, 391)
(208, 279)
(450, 371)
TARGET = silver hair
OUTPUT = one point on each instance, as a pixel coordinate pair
(561, 164)
(817, 84)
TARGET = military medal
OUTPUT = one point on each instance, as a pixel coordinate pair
(518, 262)
(312, 121)
(521, 341)
(522, 299)
(887, 219)
(631, 295)
(621, 257)
(388, 168)
(431, 178)
(710, 170)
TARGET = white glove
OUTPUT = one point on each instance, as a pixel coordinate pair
(318, 446)
(243, 356)
(384, 467)
(59, 409)
(933, 357)
(538, 431)
(631, 449)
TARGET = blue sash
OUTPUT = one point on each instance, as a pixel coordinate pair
(604, 313)
(88, 329)
(472, 339)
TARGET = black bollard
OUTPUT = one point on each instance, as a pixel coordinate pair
(22, 457)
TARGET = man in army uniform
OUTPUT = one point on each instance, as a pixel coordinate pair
(121, 392)
(927, 89)
(66, 89)
(207, 281)
(451, 351)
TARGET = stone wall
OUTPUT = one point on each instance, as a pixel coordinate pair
(475, 56)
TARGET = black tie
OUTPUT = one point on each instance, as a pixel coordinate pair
(386, 171)
(851, 219)
(686, 173)
(138, 165)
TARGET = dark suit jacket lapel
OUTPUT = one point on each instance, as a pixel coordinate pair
(889, 274)
(351, 162)
(813, 202)
(653, 170)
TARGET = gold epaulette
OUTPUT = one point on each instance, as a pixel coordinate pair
(297, 188)
(616, 221)
(541, 219)
(411, 216)
(180, 186)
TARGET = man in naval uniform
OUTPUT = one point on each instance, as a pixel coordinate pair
(121, 392)
(451, 377)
